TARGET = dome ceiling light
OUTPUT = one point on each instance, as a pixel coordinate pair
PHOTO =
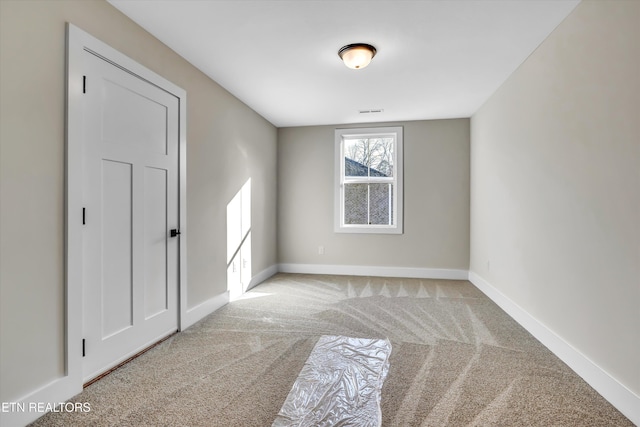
(357, 55)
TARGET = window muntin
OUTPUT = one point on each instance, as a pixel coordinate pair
(369, 180)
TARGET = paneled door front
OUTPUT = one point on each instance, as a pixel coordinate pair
(130, 198)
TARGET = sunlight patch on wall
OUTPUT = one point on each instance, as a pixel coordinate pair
(239, 242)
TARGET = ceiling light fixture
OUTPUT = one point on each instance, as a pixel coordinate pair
(357, 55)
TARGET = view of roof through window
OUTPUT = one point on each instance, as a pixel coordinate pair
(369, 157)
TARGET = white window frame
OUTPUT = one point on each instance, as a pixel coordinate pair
(340, 180)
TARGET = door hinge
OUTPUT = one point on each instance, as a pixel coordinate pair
(84, 84)
(83, 348)
(84, 215)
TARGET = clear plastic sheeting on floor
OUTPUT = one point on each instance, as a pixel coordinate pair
(339, 385)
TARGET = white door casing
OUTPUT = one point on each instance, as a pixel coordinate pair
(70, 382)
(141, 179)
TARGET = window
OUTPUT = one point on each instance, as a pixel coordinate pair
(368, 190)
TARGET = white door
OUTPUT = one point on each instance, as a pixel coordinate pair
(130, 195)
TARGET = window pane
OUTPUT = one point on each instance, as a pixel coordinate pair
(356, 157)
(355, 203)
(381, 156)
(380, 204)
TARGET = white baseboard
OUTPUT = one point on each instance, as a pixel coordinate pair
(262, 276)
(29, 408)
(611, 389)
(25, 410)
(204, 309)
(364, 270)
(616, 393)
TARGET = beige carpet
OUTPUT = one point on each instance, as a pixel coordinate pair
(457, 360)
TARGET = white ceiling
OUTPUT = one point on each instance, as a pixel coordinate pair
(436, 58)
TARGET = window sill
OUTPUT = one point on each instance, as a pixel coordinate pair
(368, 230)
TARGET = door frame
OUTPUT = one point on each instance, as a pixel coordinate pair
(79, 43)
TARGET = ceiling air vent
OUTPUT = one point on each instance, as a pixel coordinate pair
(373, 110)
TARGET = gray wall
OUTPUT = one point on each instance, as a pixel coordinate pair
(227, 144)
(555, 194)
(436, 200)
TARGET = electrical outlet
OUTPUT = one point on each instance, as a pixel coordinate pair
(321, 250)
